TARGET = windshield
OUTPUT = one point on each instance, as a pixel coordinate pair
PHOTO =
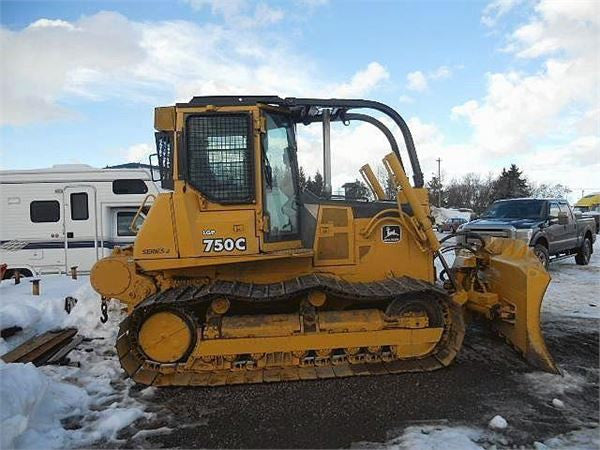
(582, 208)
(517, 209)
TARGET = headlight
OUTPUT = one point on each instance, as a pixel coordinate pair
(460, 227)
(524, 235)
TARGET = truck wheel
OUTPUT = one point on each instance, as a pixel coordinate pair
(584, 253)
(542, 253)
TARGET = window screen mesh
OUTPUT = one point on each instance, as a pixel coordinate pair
(164, 150)
(219, 157)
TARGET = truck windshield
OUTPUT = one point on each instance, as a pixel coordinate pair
(516, 209)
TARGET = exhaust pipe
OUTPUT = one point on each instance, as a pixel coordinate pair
(326, 153)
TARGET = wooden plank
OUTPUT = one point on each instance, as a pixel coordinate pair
(27, 346)
(60, 355)
(39, 348)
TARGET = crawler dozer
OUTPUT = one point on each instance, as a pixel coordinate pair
(238, 275)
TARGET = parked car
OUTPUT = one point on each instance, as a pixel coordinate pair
(451, 225)
(589, 206)
(547, 225)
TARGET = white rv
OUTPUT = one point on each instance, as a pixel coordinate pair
(67, 215)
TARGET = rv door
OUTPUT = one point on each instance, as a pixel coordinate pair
(80, 227)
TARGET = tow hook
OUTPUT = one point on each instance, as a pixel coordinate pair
(104, 310)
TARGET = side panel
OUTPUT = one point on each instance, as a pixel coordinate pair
(157, 236)
(334, 240)
(230, 232)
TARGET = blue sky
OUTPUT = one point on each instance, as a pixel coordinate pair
(481, 84)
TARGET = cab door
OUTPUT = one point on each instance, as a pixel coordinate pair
(281, 200)
(80, 227)
(558, 232)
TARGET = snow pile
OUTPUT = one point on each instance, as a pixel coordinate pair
(32, 405)
(442, 214)
(574, 289)
(94, 399)
(584, 439)
(549, 385)
(37, 314)
(498, 423)
(435, 437)
(438, 438)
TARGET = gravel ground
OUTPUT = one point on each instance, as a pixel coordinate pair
(488, 378)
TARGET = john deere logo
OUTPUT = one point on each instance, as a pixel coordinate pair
(391, 233)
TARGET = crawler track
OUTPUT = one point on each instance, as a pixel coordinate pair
(283, 366)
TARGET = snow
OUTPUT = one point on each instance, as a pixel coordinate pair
(437, 438)
(37, 401)
(574, 289)
(32, 405)
(498, 423)
(584, 439)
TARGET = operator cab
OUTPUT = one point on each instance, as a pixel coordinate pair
(215, 144)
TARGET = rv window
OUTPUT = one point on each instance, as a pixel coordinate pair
(44, 211)
(124, 219)
(79, 206)
(133, 186)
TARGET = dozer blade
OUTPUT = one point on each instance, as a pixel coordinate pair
(519, 279)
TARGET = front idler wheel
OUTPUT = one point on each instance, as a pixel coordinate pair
(167, 336)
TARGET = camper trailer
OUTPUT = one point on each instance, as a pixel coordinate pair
(68, 215)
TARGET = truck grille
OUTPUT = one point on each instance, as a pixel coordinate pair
(494, 233)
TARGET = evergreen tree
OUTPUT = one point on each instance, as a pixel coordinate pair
(356, 190)
(511, 184)
(436, 192)
(315, 186)
(302, 179)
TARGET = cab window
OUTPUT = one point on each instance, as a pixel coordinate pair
(280, 178)
(554, 210)
(219, 155)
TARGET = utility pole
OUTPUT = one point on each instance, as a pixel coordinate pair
(439, 161)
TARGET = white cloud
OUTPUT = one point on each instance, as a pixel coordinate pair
(419, 81)
(49, 23)
(523, 115)
(416, 81)
(496, 9)
(107, 56)
(362, 82)
(139, 152)
(440, 73)
(236, 12)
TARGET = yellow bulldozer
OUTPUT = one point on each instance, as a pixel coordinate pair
(237, 275)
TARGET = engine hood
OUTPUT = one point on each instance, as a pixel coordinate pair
(504, 223)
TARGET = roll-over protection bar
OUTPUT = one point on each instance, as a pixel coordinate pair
(306, 110)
